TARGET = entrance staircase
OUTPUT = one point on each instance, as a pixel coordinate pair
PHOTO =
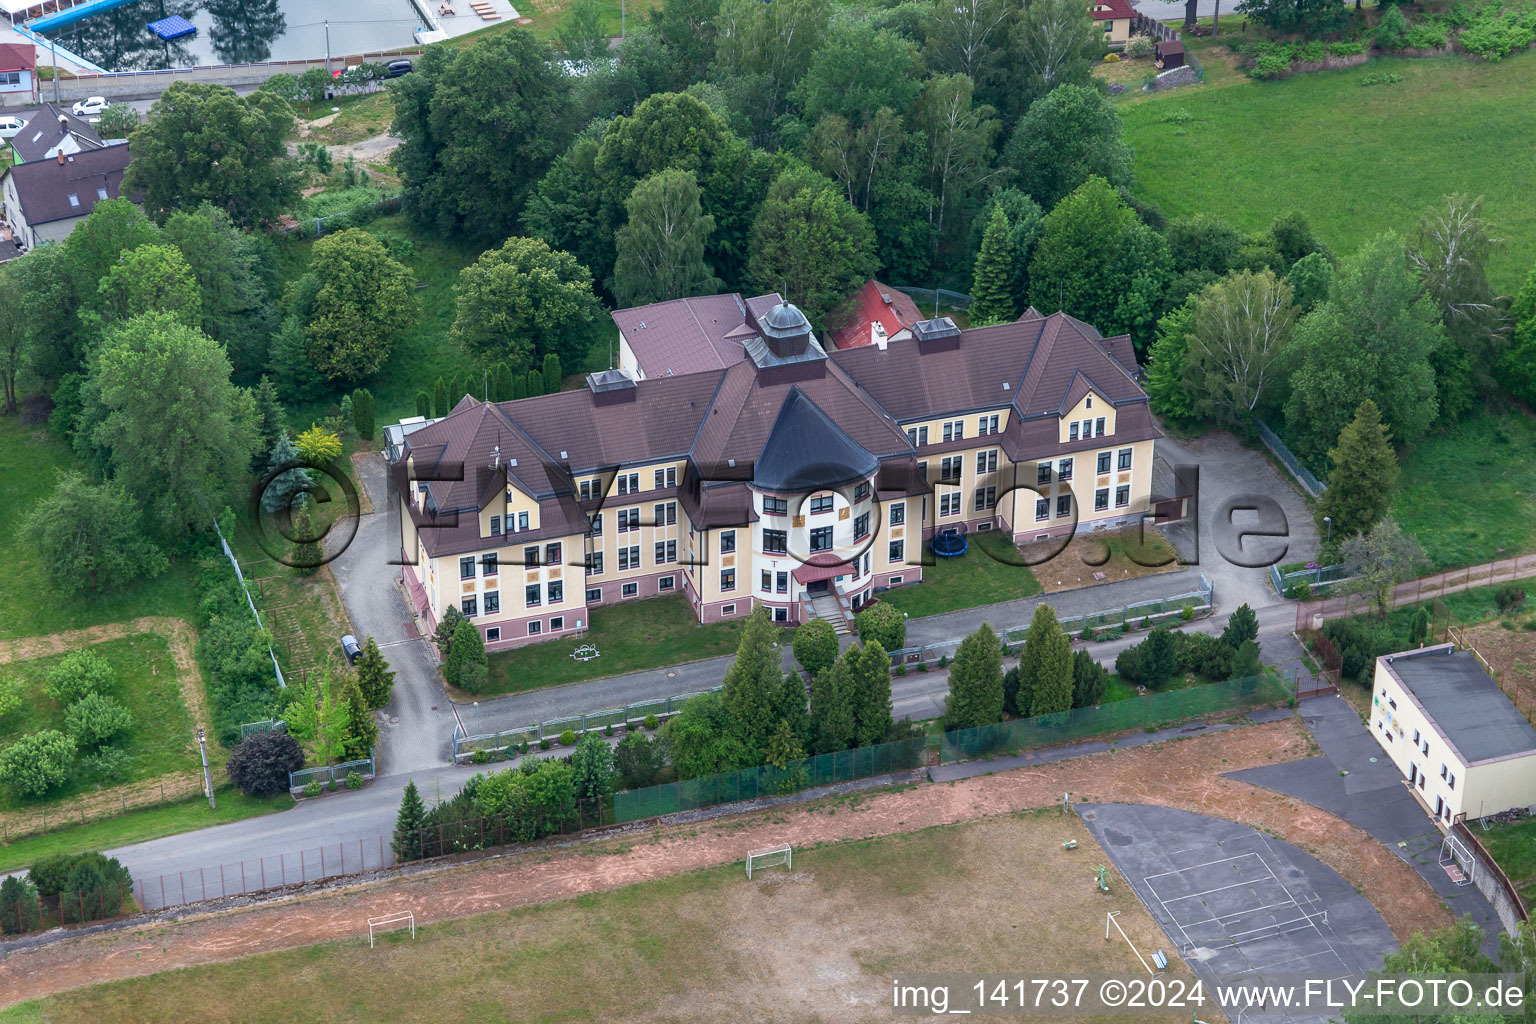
(826, 606)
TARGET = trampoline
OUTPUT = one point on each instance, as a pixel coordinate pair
(950, 544)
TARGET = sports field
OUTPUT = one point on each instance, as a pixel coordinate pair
(820, 943)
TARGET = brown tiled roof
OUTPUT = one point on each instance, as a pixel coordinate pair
(18, 57)
(44, 186)
(690, 335)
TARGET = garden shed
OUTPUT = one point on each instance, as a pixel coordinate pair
(1170, 53)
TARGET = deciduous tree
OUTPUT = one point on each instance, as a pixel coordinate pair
(356, 301)
(150, 279)
(236, 275)
(37, 762)
(660, 248)
(90, 536)
(751, 681)
(524, 300)
(869, 693)
(1242, 331)
(1067, 136)
(1057, 43)
(262, 761)
(808, 243)
(816, 646)
(1379, 558)
(1166, 390)
(958, 134)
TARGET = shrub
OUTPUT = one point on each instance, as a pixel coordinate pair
(261, 763)
(815, 646)
(312, 787)
(79, 674)
(1128, 664)
(901, 669)
(637, 759)
(108, 764)
(922, 666)
(1111, 58)
(331, 785)
(481, 756)
(1495, 34)
(1087, 633)
(568, 738)
(544, 743)
(354, 780)
(1270, 66)
(19, 909)
(1140, 46)
(1427, 35)
(884, 623)
(1299, 591)
(37, 762)
(1311, 53)
(1346, 49)
(1509, 597)
(1146, 622)
(608, 729)
(87, 886)
(95, 719)
(1187, 612)
(652, 722)
(944, 658)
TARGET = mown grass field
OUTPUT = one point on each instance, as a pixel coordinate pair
(1514, 847)
(819, 944)
(1357, 160)
(160, 739)
(978, 577)
(631, 636)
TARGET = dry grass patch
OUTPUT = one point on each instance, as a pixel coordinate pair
(1117, 555)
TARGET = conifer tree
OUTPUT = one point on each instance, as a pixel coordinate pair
(1089, 680)
(519, 387)
(832, 723)
(501, 383)
(1158, 661)
(535, 383)
(1045, 666)
(408, 823)
(373, 675)
(307, 555)
(362, 413)
(1246, 663)
(976, 682)
(466, 654)
(280, 491)
(423, 404)
(753, 680)
(551, 374)
(870, 699)
(362, 729)
(440, 398)
(1243, 625)
(443, 636)
(991, 297)
(271, 420)
(1364, 477)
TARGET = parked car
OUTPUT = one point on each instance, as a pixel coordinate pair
(89, 106)
(396, 68)
(351, 649)
(10, 127)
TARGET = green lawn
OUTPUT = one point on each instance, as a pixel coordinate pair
(139, 826)
(30, 462)
(1514, 847)
(631, 636)
(1469, 494)
(974, 579)
(1356, 160)
(360, 117)
(160, 740)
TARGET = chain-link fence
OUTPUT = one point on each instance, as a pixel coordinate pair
(331, 773)
(1152, 711)
(926, 297)
(1315, 579)
(768, 780)
(261, 874)
(270, 725)
(465, 745)
(32, 911)
(1298, 470)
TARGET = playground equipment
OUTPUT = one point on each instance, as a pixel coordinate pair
(950, 544)
(1102, 878)
(1069, 844)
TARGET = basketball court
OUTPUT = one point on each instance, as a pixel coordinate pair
(1235, 902)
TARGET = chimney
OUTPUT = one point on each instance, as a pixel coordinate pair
(496, 457)
(877, 335)
(61, 158)
(63, 123)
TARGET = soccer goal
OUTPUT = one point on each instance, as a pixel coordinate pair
(1457, 860)
(389, 921)
(770, 857)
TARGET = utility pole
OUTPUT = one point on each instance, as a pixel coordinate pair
(54, 48)
(327, 46)
(202, 745)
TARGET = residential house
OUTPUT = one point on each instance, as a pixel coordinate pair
(686, 335)
(54, 130)
(1463, 747)
(43, 201)
(1114, 17)
(18, 73)
(789, 476)
(876, 314)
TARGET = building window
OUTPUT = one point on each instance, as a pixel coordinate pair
(552, 553)
(629, 483)
(666, 551)
(988, 424)
(1098, 427)
(1042, 509)
(595, 564)
(898, 513)
(727, 541)
(896, 580)
(1101, 499)
(861, 526)
(1072, 431)
(492, 602)
(467, 568)
(522, 520)
(629, 590)
(1043, 473)
(821, 503)
(776, 506)
(727, 580)
(1103, 464)
(861, 493)
(767, 582)
(557, 623)
(1064, 469)
(1415, 737)
(470, 607)
(660, 479)
(629, 519)
(595, 595)
(1087, 429)
(597, 524)
(495, 526)
(779, 614)
(775, 542)
(586, 490)
(986, 497)
(897, 553)
(488, 564)
(1122, 496)
(629, 558)
(1125, 458)
(532, 595)
(493, 634)
(556, 591)
(1064, 505)
(535, 627)
(954, 430)
(821, 538)
(951, 468)
(986, 462)
(917, 436)
(730, 609)
(671, 509)
(949, 503)
(74, 200)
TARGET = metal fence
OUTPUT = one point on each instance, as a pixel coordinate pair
(229, 554)
(314, 227)
(1311, 614)
(465, 744)
(1303, 475)
(332, 860)
(943, 296)
(752, 783)
(270, 725)
(1156, 709)
(1126, 617)
(331, 773)
(1317, 578)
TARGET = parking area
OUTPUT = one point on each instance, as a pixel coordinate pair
(1235, 902)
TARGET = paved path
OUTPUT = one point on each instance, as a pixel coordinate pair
(1356, 781)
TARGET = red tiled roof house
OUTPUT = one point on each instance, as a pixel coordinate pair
(876, 314)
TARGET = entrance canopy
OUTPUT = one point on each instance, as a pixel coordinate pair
(821, 567)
